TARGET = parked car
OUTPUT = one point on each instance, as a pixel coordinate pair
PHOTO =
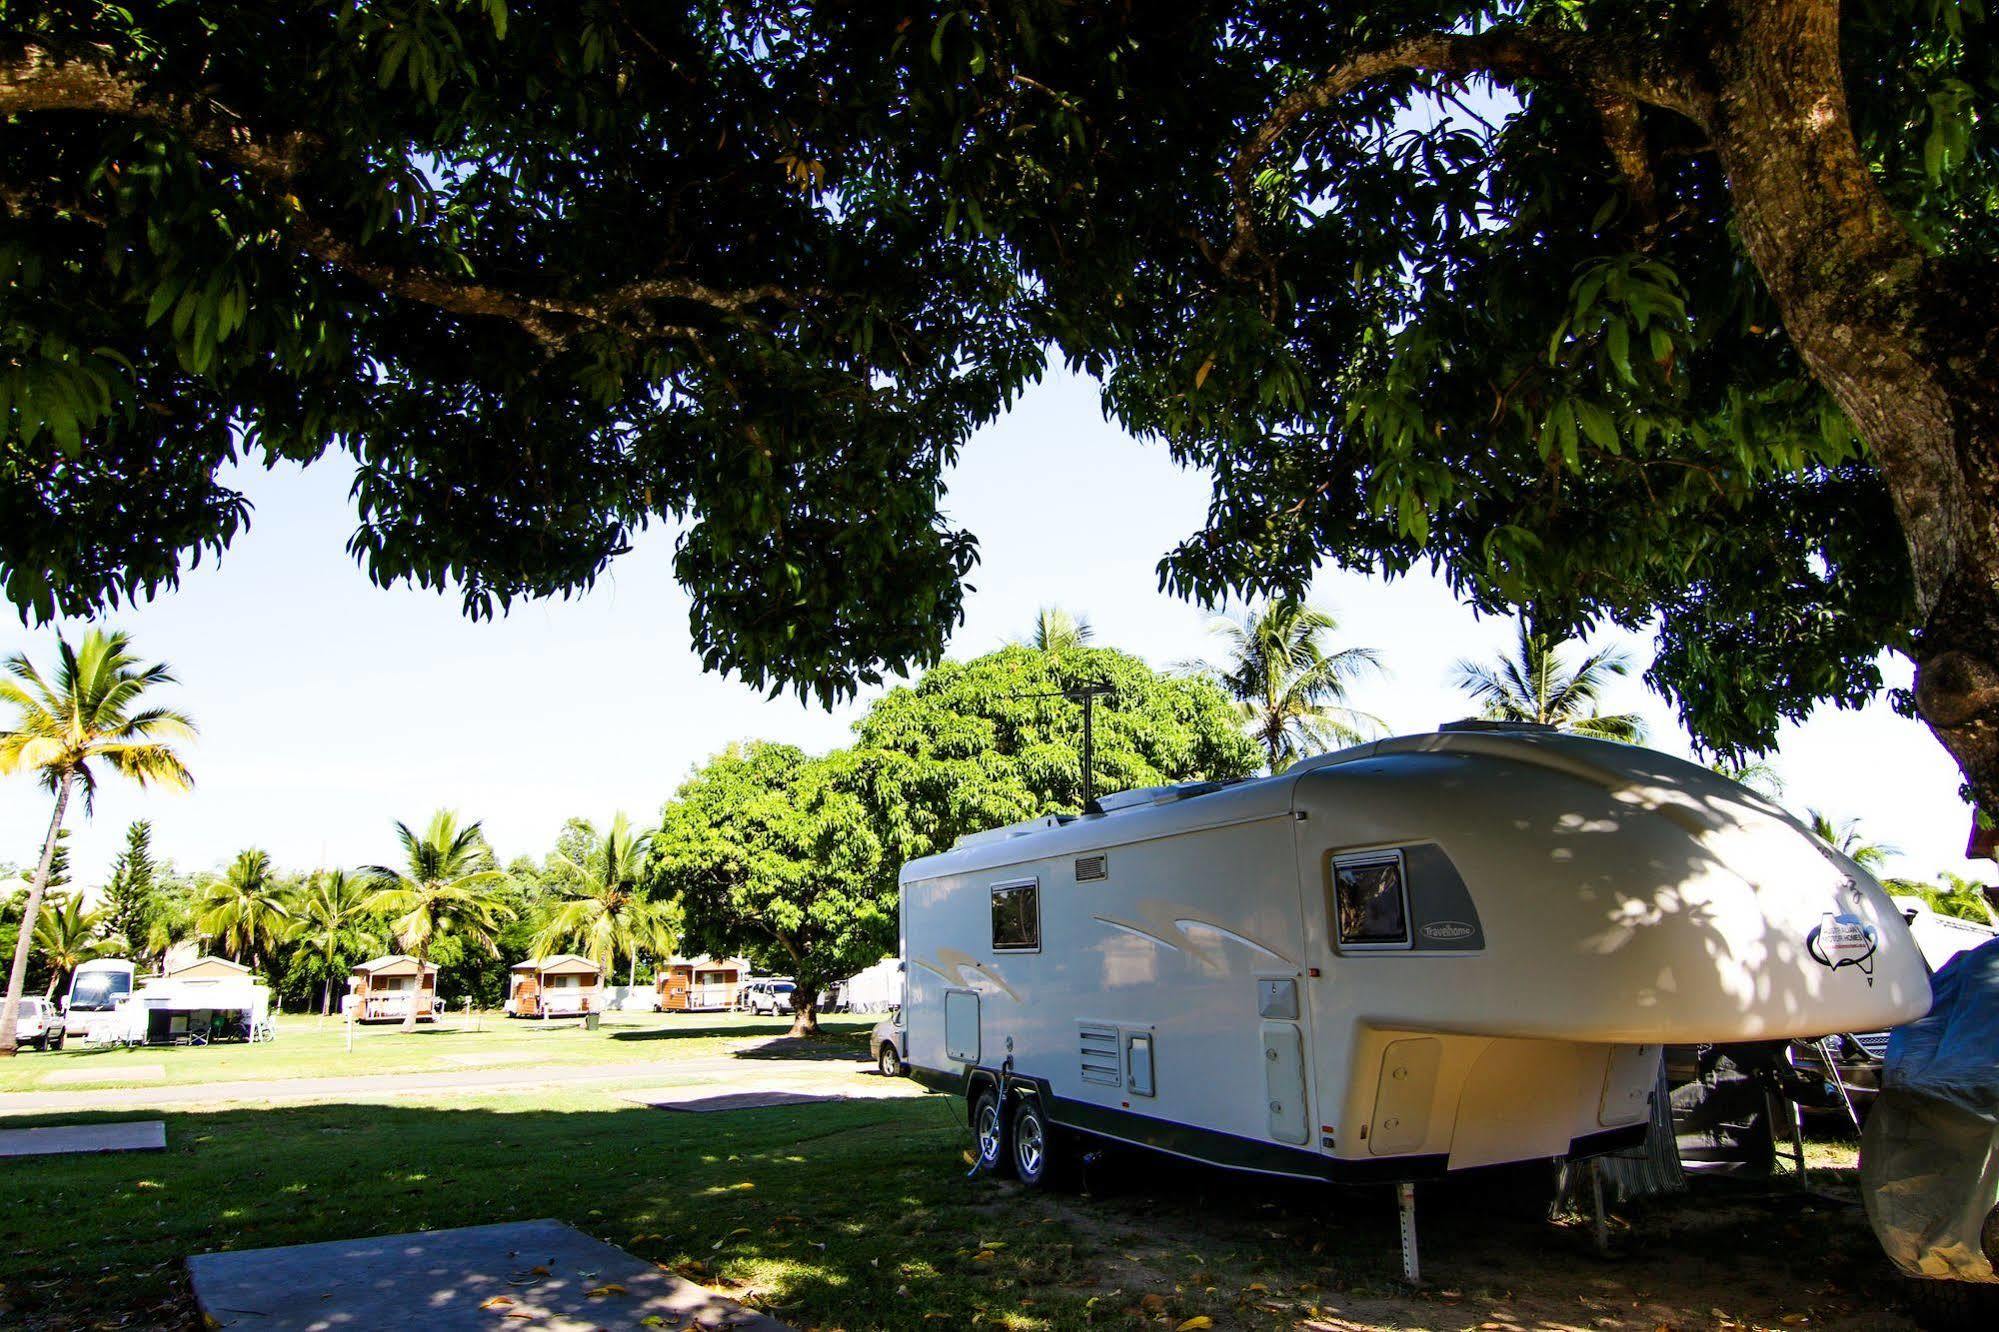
(768, 997)
(887, 1042)
(38, 1024)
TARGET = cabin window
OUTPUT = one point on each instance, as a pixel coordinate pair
(1370, 902)
(1017, 917)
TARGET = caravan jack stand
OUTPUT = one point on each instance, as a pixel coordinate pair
(1405, 1201)
(1599, 1224)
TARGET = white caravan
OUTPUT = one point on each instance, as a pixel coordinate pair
(169, 1010)
(94, 990)
(1423, 954)
(1941, 937)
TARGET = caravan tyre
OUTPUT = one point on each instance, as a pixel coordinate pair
(1041, 1156)
(989, 1135)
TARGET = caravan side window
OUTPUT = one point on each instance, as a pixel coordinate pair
(1370, 904)
(1017, 917)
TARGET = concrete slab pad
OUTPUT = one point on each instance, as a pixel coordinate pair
(453, 1280)
(132, 1135)
(107, 1072)
(702, 1101)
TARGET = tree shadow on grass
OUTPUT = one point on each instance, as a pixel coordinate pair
(858, 1214)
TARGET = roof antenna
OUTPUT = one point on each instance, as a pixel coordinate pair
(1088, 694)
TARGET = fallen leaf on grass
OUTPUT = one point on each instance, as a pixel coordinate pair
(1196, 1323)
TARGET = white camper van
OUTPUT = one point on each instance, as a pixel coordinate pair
(1423, 954)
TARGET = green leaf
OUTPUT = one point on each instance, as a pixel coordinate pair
(1598, 425)
(1617, 345)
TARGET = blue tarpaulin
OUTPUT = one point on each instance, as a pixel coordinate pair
(1952, 1055)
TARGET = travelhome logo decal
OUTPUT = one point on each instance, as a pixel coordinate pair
(1843, 940)
(1445, 931)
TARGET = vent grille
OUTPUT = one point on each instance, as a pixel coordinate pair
(1089, 869)
(1102, 1055)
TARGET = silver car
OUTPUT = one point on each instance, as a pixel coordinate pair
(888, 1043)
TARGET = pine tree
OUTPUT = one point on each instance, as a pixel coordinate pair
(131, 897)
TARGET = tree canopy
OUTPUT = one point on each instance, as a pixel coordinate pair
(1674, 313)
(773, 858)
(976, 744)
(545, 273)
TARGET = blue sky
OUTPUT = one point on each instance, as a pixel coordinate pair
(330, 708)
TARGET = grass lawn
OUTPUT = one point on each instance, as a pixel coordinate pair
(859, 1216)
(308, 1047)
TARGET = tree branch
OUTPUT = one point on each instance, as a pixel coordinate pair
(1604, 66)
(35, 80)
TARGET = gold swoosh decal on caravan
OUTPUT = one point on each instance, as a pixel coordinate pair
(1167, 923)
(957, 962)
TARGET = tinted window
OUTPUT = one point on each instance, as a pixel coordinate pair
(1368, 901)
(1016, 916)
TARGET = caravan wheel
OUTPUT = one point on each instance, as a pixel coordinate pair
(1041, 1152)
(989, 1135)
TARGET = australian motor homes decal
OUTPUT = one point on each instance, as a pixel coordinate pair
(1843, 940)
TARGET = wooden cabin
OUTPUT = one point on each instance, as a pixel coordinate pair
(208, 968)
(564, 985)
(692, 984)
(383, 989)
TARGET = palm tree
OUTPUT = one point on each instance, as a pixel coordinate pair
(604, 910)
(90, 713)
(243, 911)
(444, 887)
(174, 921)
(1956, 896)
(1289, 686)
(67, 936)
(1056, 630)
(1534, 685)
(330, 919)
(1757, 774)
(1847, 839)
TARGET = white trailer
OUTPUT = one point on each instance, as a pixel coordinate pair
(1423, 954)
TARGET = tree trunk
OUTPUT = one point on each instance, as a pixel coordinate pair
(24, 947)
(1904, 341)
(326, 995)
(804, 1012)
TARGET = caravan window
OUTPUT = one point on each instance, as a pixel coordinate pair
(1017, 916)
(1370, 907)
